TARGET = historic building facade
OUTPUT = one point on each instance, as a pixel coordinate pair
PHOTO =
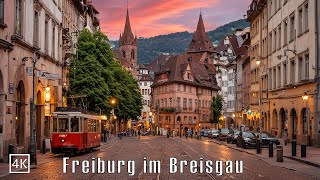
(257, 16)
(292, 57)
(183, 88)
(29, 30)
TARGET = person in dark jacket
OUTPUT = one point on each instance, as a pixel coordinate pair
(104, 135)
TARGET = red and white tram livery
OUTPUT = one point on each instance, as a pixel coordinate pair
(74, 131)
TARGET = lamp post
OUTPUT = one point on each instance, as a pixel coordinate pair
(113, 103)
(33, 154)
(259, 149)
(305, 98)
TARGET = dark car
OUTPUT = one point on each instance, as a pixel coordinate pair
(267, 138)
(231, 138)
(246, 139)
(223, 134)
(213, 133)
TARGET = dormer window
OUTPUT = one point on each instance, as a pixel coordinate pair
(189, 76)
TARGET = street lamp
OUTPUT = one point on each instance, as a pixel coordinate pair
(259, 149)
(305, 98)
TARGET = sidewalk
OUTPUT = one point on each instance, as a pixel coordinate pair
(309, 165)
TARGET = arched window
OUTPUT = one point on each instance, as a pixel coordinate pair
(132, 54)
(124, 54)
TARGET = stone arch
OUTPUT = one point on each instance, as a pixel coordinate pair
(303, 122)
(283, 121)
(293, 129)
(20, 113)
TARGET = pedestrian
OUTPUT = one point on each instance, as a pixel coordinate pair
(139, 134)
(285, 136)
(104, 135)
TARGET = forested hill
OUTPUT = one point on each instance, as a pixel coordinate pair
(175, 43)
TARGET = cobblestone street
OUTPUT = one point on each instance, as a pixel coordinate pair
(162, 148)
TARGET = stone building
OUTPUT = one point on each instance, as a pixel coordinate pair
(184, 86)
(29, 29)
(257, 16)
(292, 56)
(127, 53)
(145, 81)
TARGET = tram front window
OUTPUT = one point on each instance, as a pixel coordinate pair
(63, 125)
(74, 124)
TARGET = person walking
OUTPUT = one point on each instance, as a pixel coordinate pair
(139, 134)
(285, 136)
(104, 135)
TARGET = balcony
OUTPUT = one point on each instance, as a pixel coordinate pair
(168, 110)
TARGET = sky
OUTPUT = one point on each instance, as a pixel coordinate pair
(150, 18)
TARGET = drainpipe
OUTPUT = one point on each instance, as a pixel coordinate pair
(317, 85)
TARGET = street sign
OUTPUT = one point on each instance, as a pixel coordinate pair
(29, 71)
(46, 75)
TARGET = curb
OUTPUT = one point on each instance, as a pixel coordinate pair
(303, 161)
(289, 157)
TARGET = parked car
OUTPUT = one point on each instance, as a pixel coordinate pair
(223, 134)
(206, 132)
(231, 138)
(267, 138)
(202, 132)
(145, 133)
(213, 133)
(246, 139)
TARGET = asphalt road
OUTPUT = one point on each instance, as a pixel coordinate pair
(162, 148)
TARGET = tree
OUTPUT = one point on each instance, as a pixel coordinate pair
(95, 74)
(216, 108)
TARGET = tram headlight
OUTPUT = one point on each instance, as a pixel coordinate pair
(62, 140)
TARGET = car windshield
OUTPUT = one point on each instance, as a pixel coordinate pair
(248, 135)
(237, 132)
(215, 131)
(225, 130)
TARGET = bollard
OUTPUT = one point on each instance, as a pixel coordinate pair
(10, 151)
(270, 149)
(258, 146)
(303, 150)
(279, 153)
(44, 147)
(294, 147)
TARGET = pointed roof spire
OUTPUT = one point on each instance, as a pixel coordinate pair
(200, 40)
(127, 36)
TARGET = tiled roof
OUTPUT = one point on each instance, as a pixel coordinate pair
(200, 41)
(157, 64)
(127, 38)
(202, 70)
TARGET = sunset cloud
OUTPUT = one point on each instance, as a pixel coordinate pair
(154, 17)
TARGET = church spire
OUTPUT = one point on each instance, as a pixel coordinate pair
(127, 36)
(200, 40)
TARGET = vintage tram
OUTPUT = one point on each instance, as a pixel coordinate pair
(74, 131)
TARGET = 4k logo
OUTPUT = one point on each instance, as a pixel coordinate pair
(19, 163)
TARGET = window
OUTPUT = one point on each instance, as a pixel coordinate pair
(279, 76)
(196, 103)
(63, 124)
(184, 102)
(270, 43)
(145, 84)
(132, 54)
(189, 76)
(170, 102)
(300, 68)
(306, 17)
(275, 40)
(75, 125)
(53, 40)
(224, 83)
(300, 21)
(292, 71)
(124, 54)
(285, 32)
(190, 103)
(1, 11)
(279, 36)
(184, 88)
(36, 29)
(274, 78)
(178, 87)
(46, 36)
(19, 17)
(292, 33)
(178, 102)
(306, 71)
(285, 73)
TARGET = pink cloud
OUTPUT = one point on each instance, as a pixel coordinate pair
(154, 17)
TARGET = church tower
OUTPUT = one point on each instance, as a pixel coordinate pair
(128, 47)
